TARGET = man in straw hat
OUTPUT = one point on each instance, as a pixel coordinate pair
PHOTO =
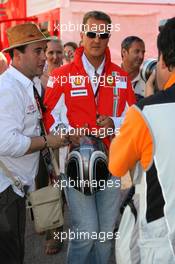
(20, 140)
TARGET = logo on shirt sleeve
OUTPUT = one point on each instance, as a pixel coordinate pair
(50, 82)
(121, 82)
(31, 109)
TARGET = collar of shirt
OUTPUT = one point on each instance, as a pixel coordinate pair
(90, 70)
(138, 85)
(136, 79)
(37, 83)
(170, 82)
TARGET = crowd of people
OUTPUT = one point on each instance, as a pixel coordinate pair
(80, 91)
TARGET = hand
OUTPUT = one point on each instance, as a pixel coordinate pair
(106, 122)
(76, 133)
(57, 141)
(150, 84)
(71, 54)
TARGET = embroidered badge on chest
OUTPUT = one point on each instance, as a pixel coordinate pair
(110, 80)
(77, 81)
(82, 92)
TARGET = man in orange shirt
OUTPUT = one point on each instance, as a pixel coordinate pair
(151, 142)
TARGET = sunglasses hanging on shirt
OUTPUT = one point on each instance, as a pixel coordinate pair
(91, 34)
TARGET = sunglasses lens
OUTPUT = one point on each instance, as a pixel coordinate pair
(104, 35)
(91, 34)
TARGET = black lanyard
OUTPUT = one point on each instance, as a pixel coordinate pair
(46, 152)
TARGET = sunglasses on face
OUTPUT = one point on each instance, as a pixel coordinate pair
(93, 35)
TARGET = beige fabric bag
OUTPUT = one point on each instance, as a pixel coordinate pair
(46, 204)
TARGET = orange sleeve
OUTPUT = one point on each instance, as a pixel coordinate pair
(133, 143)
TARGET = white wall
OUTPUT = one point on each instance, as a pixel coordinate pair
(35, 7)
(134, 19)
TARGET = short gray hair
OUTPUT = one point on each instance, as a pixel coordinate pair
(98, 15)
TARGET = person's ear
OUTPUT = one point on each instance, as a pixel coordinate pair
(123, 52)
(162, 63)
(81, 35)
(17, 54)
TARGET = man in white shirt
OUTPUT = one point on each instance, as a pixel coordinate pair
(132, 53)
(20, 140)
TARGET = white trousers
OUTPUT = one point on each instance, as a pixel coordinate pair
(146, 243)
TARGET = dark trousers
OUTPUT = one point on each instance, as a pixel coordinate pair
(12, 227)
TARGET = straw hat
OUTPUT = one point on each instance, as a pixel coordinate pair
(23, 34)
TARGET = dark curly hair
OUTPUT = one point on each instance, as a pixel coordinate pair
(166, 43)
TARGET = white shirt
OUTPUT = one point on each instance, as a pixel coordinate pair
(19, 119)
(91, 72)
(138, 85)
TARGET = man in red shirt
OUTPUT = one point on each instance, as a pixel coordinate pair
(91, 92)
